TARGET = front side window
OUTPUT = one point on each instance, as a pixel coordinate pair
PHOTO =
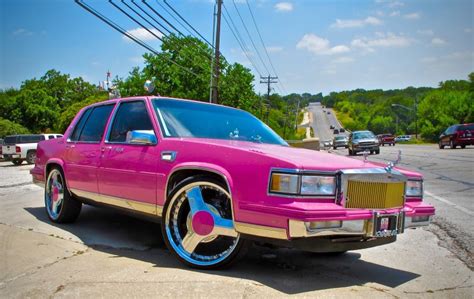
(130, 116)
(93, 129)
(79, 125)
(198, 120)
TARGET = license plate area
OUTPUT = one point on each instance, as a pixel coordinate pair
(387, 226)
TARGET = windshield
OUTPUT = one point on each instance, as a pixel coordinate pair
(363, 135)
(340, 138)
(197, 120)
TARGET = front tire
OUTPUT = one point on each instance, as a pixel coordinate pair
(197, 224)
(441, 146)
(60, 205)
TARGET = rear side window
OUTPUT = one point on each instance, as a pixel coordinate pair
(79, 125)
(51, 137)
(130, 116)
(31, 138)
(90, 127)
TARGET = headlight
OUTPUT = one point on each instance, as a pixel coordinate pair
(284, 183)
(414, 189)
(318, 185)
(302, 184)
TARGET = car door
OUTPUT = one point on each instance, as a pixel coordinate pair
(83, 149)
(127, 173)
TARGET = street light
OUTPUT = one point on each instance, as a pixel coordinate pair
(415, 110)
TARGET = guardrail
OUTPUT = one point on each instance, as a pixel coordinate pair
(308, 143)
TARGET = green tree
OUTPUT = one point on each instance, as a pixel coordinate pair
(11, 128)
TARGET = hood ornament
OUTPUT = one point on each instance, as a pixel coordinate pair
(392, 164)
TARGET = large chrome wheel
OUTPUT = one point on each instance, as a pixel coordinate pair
(60, 205)
(198, 226)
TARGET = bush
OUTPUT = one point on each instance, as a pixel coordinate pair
(10, 128)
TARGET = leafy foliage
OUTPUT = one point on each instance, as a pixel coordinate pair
(10, 128)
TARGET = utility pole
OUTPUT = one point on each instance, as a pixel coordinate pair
(215, 81)
(268, 80)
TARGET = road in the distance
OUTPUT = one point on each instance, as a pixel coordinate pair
(321, 127)
(449, 181)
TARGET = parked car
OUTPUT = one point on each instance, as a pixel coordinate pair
(331, 127)
(457, 135)
(402, 138)
(340, 141)
(327, 143)
(386, 139)
(335, 131)
(342, 130)
(217, 177)
(1, 150)
(361, 141)
(19, 148)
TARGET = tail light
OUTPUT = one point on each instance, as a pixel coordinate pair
(18, 149)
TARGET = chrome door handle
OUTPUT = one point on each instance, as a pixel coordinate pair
(102, 149)
(119, 149)
(70, 145)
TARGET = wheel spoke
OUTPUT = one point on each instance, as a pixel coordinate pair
(196, 202)
(224, 227)
(191, 241)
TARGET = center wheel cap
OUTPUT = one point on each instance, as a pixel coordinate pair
(203, 223)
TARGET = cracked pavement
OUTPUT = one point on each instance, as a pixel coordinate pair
(107, 254)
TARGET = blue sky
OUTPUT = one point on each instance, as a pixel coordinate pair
(315, 46)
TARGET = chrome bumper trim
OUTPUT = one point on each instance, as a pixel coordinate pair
(299, 229)
(261, 230)
(410, 224)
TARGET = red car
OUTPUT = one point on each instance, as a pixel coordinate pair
(457, 135)
(386, 139)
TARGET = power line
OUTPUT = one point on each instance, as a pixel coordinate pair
(184, 20)
(250, 37)
(239, 39)
(129, 35)
(163, 18)
(151, 17)
(263, 44)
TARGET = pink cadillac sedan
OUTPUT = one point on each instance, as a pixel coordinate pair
(217, 178)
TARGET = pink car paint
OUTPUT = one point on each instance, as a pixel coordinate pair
(138, 173)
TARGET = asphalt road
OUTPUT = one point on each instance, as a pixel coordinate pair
(449, 183)
(106, 254)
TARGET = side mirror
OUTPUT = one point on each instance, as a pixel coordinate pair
(145, 137)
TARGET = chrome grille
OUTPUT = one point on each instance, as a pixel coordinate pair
(374, 195)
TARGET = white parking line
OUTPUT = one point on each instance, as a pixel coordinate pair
(462, 209)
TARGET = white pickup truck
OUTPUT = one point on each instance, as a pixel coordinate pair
(19, 148)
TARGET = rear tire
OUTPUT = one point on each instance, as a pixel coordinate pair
(463, 146)
(31, 157)
(60, 205)
(17, 162)
(441, 146)
(351, 153)
(377, 151)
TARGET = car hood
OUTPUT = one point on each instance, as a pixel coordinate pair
(303, 159)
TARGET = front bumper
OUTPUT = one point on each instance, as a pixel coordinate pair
(333, 222)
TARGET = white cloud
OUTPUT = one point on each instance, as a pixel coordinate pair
(284, 6)
(393, 4)
(467, 30)
(412, 16)
(427, 32)
(319, 45)
(343, 59)
(381, 40)
(142, 34)
(351, 23)
(395, 13)
(438, 41)
(22, 31)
